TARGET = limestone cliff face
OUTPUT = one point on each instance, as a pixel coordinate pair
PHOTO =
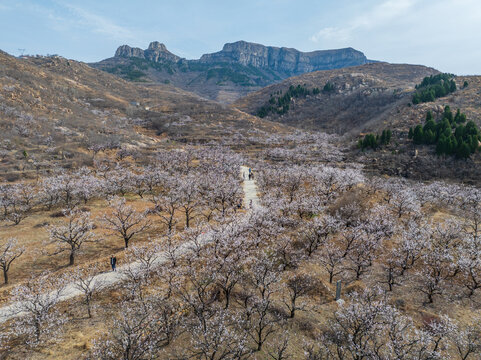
(285, 60)
(228, 74)
(155, 52)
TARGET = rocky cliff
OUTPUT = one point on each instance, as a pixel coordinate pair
(285, 60)
(156, 52)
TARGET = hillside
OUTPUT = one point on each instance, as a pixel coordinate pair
(147, 222)
(369, 99)
(224, 76)
(359, 95)
(54, 109)
(404, 158)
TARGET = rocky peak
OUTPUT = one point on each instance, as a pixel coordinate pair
(157, 46)
(127, 51)
(156, 52)
(286, 60)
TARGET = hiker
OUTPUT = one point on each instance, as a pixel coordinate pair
(113, 262)
(244, 175)
(250, 203)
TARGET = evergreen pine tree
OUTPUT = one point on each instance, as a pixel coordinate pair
(429, 116)
(418, 135)
(448, 114)
(457, 116)
(453, 86)
(441, 145)
(463, 151)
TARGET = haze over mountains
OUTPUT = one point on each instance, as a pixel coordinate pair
(224, 76)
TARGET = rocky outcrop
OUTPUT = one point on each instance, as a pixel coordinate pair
(285, 60)
(226, 75)
(155, 52)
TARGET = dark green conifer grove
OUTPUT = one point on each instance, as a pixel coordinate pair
(449, 135)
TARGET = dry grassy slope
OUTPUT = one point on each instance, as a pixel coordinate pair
(237, 80)
(403, 116)
(399, 157)
(73, 92)
(364, 96)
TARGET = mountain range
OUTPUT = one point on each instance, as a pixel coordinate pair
(239, 68)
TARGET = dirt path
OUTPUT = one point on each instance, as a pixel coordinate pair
(110, 278)
(250, 189)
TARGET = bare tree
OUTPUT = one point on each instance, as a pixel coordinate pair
(298, 286)
(262, 321)
(141, 265)
(190, 197)
(362, 255)
(125, 220)
(72, 235)
(166, 206)
(441, 260)
(87, 281)
(35, 301)
(134, 335)
(467, 340)
(9, 252)
(219, 340)
(404, 202)
(279, 349)
(331, 260)
(316, 233)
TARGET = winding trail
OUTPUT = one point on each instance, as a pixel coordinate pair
(110, 278)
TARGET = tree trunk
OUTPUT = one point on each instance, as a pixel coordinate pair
(71, 259)
(87, 302)
(227, 294)
(5, 276)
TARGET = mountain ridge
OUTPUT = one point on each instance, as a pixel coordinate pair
(279, 58)
(238, 69)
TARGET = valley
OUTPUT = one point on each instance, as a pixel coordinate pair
(259, 202)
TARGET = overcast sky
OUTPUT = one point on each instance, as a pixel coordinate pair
(445, 34)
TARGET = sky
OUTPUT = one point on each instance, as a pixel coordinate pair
(444, 34)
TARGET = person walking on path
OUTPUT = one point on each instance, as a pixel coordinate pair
(113, 262)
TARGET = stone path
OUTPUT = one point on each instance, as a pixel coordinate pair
(250, 189)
